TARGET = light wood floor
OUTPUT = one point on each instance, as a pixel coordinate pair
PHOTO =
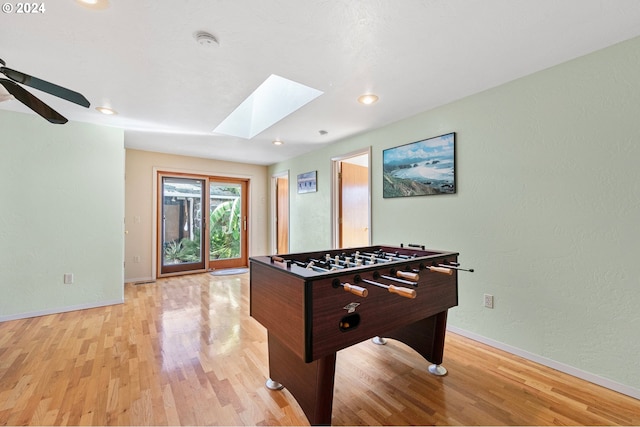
(184, 351)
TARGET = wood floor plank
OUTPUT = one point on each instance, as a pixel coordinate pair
(184, 351)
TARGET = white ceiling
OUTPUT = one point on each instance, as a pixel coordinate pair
(140, 58)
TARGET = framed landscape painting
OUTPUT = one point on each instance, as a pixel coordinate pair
(421, 168)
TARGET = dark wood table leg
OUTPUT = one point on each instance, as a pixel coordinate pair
(425, 336)
(310, 383)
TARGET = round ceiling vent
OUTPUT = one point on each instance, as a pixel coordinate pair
(205, 39)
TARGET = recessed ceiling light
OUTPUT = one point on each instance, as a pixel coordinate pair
(277, 142)
(272, 101)
(94, 4)
(368, 99)
(106, 110)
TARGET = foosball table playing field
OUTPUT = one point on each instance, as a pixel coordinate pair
(316, 303)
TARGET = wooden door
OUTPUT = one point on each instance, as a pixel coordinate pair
(282, 214)
(354, 205)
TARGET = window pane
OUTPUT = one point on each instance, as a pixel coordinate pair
(182, 216)
(225, 220)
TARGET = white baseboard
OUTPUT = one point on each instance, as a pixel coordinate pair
(59, 310)
(567, 369)
(136, 280)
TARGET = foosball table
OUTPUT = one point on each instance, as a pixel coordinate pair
(316, 303)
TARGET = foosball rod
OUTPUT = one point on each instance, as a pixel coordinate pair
(341, 263)
(377, 275)
(392, 255)
(311, 266)
(444, 269)
(413, 245)
(395, 279)
(276, 258)
(319, 261)
(455, 267)
(409, 275)
(380, 256)
(376, 259)
(387, 256)
(403, 292)
(356, 290)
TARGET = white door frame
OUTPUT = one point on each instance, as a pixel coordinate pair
(335, 193)
(154, 201)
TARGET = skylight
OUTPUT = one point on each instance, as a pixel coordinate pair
(271, 102)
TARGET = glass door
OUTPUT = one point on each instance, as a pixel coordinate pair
(181, 246)
(227, 223)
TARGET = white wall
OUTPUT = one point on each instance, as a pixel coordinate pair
(139, 203)
(547, 211)
(61, 211)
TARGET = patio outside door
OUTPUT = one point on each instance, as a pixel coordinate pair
(202, 223)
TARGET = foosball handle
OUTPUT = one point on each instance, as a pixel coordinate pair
(443, 270)
(356, 290)
(403, 292)
(414, 277)
(275, 258)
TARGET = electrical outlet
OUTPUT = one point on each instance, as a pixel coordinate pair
(488, 300)
(136, 258)
(68, 278)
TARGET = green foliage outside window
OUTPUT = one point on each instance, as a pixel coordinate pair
(224, 235)
(224, 230)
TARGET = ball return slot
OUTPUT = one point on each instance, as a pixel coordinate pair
(349, 322)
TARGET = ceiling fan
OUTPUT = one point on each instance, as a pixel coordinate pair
(31, 101)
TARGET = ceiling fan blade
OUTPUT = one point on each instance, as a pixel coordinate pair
(45, 86)
(32, 102)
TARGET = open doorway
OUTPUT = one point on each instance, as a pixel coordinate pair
(351, 212)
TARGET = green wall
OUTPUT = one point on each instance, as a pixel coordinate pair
(547, 212)
(61, 211)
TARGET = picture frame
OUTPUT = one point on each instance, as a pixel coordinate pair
(421, 168)
(307, 182)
